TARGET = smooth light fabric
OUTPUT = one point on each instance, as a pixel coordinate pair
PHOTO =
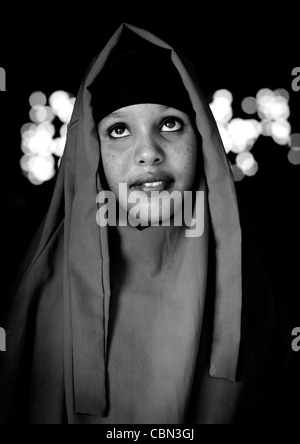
(63, 346)
(155, 323)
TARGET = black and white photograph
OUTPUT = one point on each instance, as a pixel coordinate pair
(150, 227)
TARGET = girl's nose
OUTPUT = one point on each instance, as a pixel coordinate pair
(148, 153)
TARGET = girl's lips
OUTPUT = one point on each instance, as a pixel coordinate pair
(152, 181)
(147, 187)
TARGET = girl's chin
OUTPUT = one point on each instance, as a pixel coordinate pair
(147, 211)
(149, 216)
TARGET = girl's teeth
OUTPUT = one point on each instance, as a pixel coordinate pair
(152, 184)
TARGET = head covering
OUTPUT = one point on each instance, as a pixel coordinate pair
(138, 72)
(71, 256)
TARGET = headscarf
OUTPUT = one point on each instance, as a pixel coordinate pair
(71, 254)
(138, 72)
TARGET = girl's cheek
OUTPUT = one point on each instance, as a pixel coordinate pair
(186, 161)
(116, 167)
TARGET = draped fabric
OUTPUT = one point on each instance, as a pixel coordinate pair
(60, 326)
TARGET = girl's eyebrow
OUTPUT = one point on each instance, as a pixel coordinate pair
(115, 114)
(120, 114)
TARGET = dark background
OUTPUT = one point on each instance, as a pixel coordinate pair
(242, 51)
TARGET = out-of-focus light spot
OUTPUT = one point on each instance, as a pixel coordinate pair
(43, 114)
(49, 127)
(33, 113)
(223, 94)
(281, 130)
(283, 93)
(39, 114)
(50, 114)
(266, 127)
(25, 163)
(236, 132)
(265, 99)
(221, 109)
(249, 105)
(294, 157)
(72, 101)
(65, 112)
(226, 139)
(295, 140)
(26, 127)
(243, 133)
(264, 92)
(238, 174)
(42, 167)
(40, 146)
(271, 106)
(28, 133)
(280, 109)
(253, 170)
(34, 180)
(63, 130)
(62, 105)
(37, 98)
(245, 161)
(40, 141)
(239, 135)
(57, 98)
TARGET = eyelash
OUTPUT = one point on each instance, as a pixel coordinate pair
(166, 120)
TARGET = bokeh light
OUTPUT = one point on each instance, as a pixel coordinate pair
(271, 105)
(245, 161)
(294, 156)
(239, 135)
(37, 98)
(44, 137)
(243, 133)
(42, 151)
(281, 131)
(283, 93)
(221, 109)
(61, 105)
(295, 140)
(249, 105)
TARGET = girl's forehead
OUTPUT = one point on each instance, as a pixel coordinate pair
(146, 110)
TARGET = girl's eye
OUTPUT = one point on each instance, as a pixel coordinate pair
(171, 124)
(118, 131)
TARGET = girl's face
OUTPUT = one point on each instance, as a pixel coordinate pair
(150, 148)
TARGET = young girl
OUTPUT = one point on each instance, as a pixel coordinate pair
(142, 321)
